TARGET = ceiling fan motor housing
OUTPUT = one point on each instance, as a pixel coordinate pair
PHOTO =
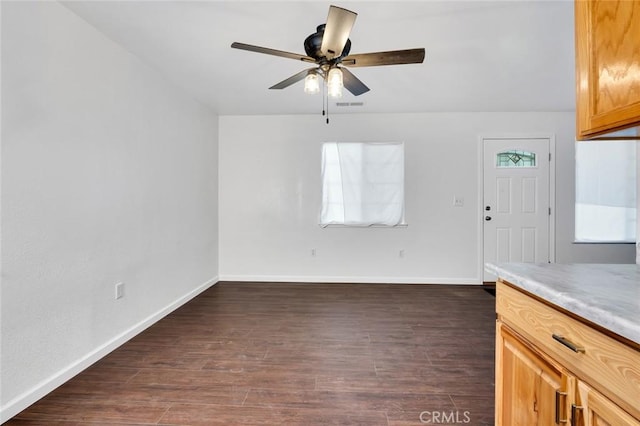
(313, 43)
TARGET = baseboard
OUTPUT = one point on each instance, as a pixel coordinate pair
(351, 279)
(29, 397)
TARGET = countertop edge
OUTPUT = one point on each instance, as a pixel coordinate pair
(582, 308)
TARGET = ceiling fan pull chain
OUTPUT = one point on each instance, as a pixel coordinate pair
(325, 101)
(327, 110)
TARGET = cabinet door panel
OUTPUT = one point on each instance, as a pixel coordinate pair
(528, 386)
(596, 410)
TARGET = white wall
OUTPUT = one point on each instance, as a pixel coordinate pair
(108, 174)
(270, 195)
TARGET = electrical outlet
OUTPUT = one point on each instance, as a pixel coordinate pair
(119, 290)
(401, 253)
(458, 201)
(313, 252)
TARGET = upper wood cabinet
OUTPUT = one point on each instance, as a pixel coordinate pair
(607, 66)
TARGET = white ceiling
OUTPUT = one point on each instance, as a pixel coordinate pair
(480, 55)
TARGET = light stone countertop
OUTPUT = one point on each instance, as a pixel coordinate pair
(605, 294)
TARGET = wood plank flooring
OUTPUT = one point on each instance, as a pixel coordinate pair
(295, 354)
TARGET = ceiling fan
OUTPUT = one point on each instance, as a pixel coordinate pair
(328, 48)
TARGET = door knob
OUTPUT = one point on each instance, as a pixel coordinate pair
(487, 218)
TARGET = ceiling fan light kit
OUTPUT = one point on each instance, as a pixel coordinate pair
(328, 48)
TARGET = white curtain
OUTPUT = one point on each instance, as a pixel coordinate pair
(362, 184)
(606, 191)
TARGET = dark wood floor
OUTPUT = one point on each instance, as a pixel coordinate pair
(296, 354)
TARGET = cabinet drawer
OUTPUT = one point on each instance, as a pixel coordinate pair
(611, 367)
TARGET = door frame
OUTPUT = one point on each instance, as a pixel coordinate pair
(552, 191)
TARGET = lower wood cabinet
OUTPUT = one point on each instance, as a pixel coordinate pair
(594, 409)
(538, 384)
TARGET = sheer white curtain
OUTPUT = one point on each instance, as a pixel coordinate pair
(362, 184)
(606, 191)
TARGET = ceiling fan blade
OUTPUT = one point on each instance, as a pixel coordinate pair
(274, 52)
(352, 83)
(336, 32)
(394, 57)
(293, 79)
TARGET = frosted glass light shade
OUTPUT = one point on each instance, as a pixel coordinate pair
(334, 83)
(312, 84)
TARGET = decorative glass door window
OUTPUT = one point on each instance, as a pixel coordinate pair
(515, 158)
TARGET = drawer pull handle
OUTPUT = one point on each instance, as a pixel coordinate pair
(574, 414)
(558, 406)
(568, 344)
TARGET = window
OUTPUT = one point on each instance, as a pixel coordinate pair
(362, 184)
(605, 191)
(515, 158)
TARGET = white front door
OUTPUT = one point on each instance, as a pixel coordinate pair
(516, 205)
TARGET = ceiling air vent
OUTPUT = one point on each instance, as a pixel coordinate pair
(349, 104)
